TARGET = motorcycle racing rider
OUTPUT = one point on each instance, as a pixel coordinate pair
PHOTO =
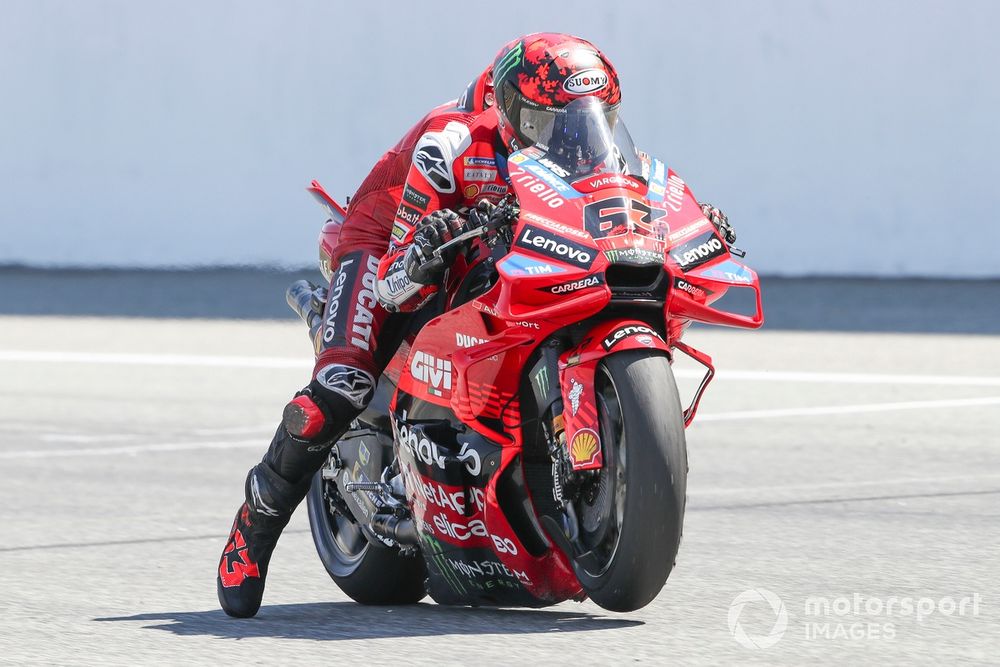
(450, 166)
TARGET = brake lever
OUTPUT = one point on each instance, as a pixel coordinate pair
(503, 214)
(461, 238)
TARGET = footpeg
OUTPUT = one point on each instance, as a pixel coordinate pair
(369, 487)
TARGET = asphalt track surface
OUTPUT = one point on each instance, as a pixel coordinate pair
(858, 468)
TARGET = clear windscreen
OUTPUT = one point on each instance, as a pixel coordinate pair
(583, 138)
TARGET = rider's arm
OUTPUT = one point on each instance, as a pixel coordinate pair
(432, 184)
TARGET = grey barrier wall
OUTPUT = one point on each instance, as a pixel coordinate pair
(842, 138)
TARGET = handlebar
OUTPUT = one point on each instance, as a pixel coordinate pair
(503, 214)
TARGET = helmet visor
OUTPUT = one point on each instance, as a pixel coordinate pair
(578, 137)
(532, 122)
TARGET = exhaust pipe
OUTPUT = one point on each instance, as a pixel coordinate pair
(401, 530)
(308, 302)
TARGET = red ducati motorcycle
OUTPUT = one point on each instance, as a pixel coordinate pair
(526, 443)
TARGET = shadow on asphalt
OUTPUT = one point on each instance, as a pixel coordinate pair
(798, 304)
(337, 621)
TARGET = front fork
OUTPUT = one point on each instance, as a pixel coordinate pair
(544, 378)
(575, 439)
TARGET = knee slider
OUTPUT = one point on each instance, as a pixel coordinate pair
(303, 417)
(319, 410)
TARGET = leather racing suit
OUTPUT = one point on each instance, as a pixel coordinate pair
(451, 159)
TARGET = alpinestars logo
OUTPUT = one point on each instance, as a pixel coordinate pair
(259, 504)
(354, 384)
(436, 152)
(436, 373)
(430, 162)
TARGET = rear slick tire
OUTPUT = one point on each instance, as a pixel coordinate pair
(367, 573)
(645, 456)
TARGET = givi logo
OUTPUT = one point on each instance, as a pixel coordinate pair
(435, 372)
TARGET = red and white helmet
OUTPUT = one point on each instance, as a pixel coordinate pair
(537, 75)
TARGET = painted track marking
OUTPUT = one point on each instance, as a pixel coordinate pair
(143, 359)
(847, 409)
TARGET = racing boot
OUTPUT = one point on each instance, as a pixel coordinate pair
(270, 501)
(274, 488)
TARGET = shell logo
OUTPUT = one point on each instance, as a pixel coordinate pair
(585, 447)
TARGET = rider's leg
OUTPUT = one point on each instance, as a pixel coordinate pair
(343, 383)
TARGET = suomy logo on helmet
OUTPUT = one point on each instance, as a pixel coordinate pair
(586, 81)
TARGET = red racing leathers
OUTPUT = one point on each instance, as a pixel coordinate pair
(454, 165)
(448, 160)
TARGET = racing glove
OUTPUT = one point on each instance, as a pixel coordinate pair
(721, 222)
(433, 232)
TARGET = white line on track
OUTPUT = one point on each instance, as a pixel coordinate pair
(848, 378)
(82, 438)
(901, 481)
(723, 416)
(259, 443)
(265, 429)
(141, 359)
(152, 359)
(846, 409)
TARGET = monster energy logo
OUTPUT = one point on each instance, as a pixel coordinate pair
(507, 62)
(433, 551)
(542, 381)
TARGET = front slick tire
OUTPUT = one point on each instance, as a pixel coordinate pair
(369, 574)
(633, 527)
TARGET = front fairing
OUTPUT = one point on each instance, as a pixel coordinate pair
(619, 224)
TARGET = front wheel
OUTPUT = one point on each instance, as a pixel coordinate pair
(631, 526)
(369, 574)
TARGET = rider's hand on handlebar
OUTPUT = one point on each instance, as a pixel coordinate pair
(481, 214)
(721, 222)
(433, 232)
